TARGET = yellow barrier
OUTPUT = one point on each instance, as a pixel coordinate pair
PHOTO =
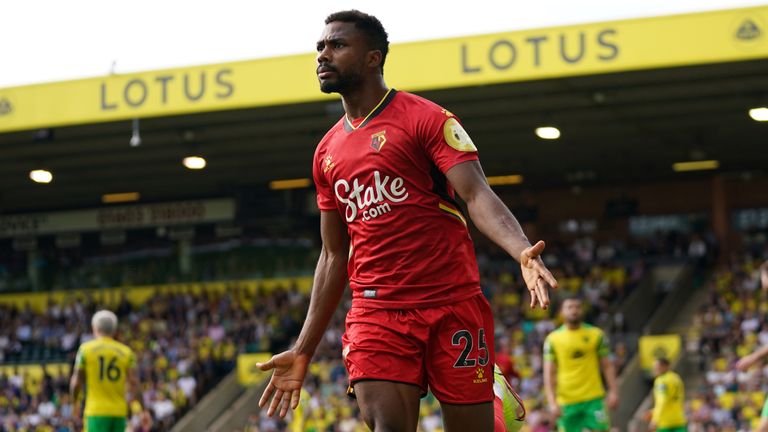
(138, 295)
(33, 374)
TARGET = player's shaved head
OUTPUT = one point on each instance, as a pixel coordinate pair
(369, 25)
(104, 322)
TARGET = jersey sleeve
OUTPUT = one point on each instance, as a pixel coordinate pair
(549, 351)
(80, 358)
(325, 198)
(444, 139)
(659, 399)
(603, 346)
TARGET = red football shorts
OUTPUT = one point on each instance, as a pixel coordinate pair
(448, 349)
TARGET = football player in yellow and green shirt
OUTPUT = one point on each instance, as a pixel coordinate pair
(574, 354)
(105, 368)
(668, 413)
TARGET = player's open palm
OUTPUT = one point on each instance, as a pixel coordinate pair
(536, 275)
(285, 385)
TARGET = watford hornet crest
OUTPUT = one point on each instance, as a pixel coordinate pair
(378, 140)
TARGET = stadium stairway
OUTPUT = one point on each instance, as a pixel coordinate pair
(212, 407)
(662, 296)
(672, 316)
(236, 416)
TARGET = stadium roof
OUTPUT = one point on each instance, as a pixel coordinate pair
(618, 124)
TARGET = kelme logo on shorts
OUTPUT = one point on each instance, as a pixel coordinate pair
(480, 376)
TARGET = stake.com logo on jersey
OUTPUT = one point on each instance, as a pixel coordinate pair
(367, 200)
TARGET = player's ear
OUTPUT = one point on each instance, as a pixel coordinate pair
(374, 58)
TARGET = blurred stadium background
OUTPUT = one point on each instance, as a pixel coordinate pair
(649, 184)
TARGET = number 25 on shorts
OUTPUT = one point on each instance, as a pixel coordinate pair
(464, 339)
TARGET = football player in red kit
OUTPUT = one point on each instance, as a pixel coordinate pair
(386, 176)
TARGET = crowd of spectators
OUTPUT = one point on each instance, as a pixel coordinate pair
(729, 326)
(184, 342)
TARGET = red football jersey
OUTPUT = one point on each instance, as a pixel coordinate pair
(410, 246)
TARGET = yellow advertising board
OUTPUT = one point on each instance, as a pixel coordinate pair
(33, 374)
(248, 374)
(139, 295)
(653, 347)
(647, 43)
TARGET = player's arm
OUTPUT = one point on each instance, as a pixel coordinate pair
(329, 283)
(609, 372)
(77, 382)
(494, 219)
(764, 275)
(746, 362)
(550, 369)
(550, 380)
(133, 384)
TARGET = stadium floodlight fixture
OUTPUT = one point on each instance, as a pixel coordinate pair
(696, 165)
(548, 132)
(511, 179)
(759, 114)
(135, 134)
(194, 162)
(41, 176)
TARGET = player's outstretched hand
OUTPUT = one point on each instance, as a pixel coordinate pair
(536, 275)
(289, 372)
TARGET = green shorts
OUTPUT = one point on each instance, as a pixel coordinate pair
(584, 415)
(764, 414)
(104, 424)
(673, 429)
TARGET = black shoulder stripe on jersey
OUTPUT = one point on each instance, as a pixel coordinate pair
(440, 188)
